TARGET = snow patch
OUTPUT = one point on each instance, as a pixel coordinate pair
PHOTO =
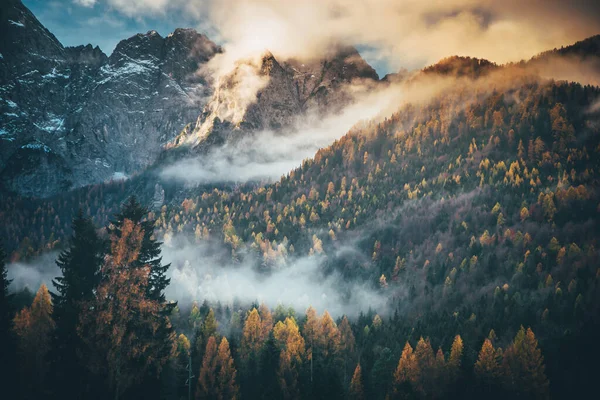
(37, 146)
(53, 125)
(55, 74)
(119, 176)
(20, 25)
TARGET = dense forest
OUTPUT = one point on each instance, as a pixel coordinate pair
(474, 213)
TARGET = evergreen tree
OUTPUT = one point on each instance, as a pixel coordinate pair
(80, 267)
(7, 348)
(347, 344)
(356, 386)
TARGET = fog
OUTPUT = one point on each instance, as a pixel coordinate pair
(33, 273)
(267, 155)
(198, 273)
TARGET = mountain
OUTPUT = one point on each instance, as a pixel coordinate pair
(286, 91)
(72, 116)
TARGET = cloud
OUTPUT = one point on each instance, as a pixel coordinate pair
(266, 155)
(408, 33)
(198, 273)
(85, 3)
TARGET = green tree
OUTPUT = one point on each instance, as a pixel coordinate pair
(80, 266)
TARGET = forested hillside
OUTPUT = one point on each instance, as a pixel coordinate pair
(475, 213)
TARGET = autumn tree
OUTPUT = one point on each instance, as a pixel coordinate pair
(407, 374)
(252, 335)
(356, 385)
(80, 265)
(207, 378)
(292, 350)
(487, 368)
(34, 328)
(149, 249)
(524, 366)
(455, 359)
(121, 324)
(149, 257)
(227, 388)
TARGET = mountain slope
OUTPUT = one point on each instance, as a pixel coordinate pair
(73, 116)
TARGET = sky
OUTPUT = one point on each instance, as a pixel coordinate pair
(391, 34)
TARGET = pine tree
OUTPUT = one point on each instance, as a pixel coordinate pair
(292, 348)
(524, 366)
(266, 321)
(455, 359)
(487, 368)
(123, 328)
(356, 386)
(207, 378)
(227, 386)
(149, 257)
(347, 344)
(407, 374)
(80, 267)
(34, 328)
(149, 252)
(6, 316)
(312, 332)
(252, 336)
(5, 300)
(426, 361)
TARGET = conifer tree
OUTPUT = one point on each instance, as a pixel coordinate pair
(149, 252)
(356, 385)
(121, 326)
(6, 311)
(80, 267)
(487, 368)
(6, 316)
(292, 349)
(455, 359)
(407, 374)
(426, 361)
(266, 321)
(227, 386)
(524, 366)
(252, 335)
(34, 328)
(347, 344)
(207, 378)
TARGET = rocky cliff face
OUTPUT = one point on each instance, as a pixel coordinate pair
(71, 116)
(285, 91)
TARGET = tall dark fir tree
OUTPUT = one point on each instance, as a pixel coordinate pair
(6, 315)
(80, 265)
